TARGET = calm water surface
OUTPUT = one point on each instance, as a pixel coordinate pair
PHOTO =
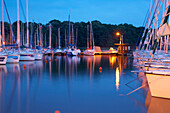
(72, 85)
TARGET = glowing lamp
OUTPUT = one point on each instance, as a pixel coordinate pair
(118, 34)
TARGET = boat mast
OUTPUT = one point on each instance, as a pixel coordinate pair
(50, 30)
(31, 35)
(93, 36)
(45, 40)
(27, 24)
(65, 38)
(37, 37)
(90, 36)
(87, 36)
(59, 38)
(69, 30)
(18, 25)
(3, 28)
(167, 37)
(40, 35)
(72, 35)
(76, 38)
(23, 34)
(0, 36)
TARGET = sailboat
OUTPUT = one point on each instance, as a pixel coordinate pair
(38, 52)
(58, 50)
(65, 49)
(3, 56)
(74, 51)
(157, 72)
(12, 55)
(90, 51)
(26, 54)
(49, 50)
(71, 51)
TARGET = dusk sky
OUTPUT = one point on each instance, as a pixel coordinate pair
(106, 11)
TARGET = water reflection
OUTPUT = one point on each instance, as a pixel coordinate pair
(157, 105)
(117, 78)
(112, 60)
(61, 81)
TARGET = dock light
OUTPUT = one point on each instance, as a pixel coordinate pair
(121, 37)
(118, 34)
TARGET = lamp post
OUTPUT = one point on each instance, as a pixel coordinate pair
(121, 37)
(120, 47)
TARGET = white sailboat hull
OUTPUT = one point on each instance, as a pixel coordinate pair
(74, 53)
(49, 52)
(13, 59)
(89, 52)
(159, 84)
(58, 52)
(38, 56)
(27, 57)
(3, 60)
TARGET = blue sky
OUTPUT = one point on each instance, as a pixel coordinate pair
(106, 11)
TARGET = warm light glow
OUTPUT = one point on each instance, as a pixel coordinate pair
(117, 78)
(118, 34)
(112, 60)
(3, 43)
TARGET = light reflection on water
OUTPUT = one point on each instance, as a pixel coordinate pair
(117, 78)
(70, 85)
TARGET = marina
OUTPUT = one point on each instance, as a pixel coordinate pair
(53, 84)
(84, 67)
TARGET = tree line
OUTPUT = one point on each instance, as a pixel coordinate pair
(104, 34)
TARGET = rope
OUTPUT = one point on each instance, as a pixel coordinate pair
(144, 85)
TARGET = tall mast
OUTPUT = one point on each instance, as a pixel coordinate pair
(38, 42)
(50, 30)
(69, 29)
(0, 36)
(31, 35)
(59, 38)
(87, 36)
(23, 34)
(10, 37)
(18, 25)
(76, 38)
(35, 40)
(65, 39)
(72, 35)
(90, 34)
(167, 37)
(3, 28)
(27, 24)
(40, 35)
(45, 40)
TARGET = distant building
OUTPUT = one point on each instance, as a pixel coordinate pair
(123, 49)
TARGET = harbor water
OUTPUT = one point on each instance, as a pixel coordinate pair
(80, 84)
